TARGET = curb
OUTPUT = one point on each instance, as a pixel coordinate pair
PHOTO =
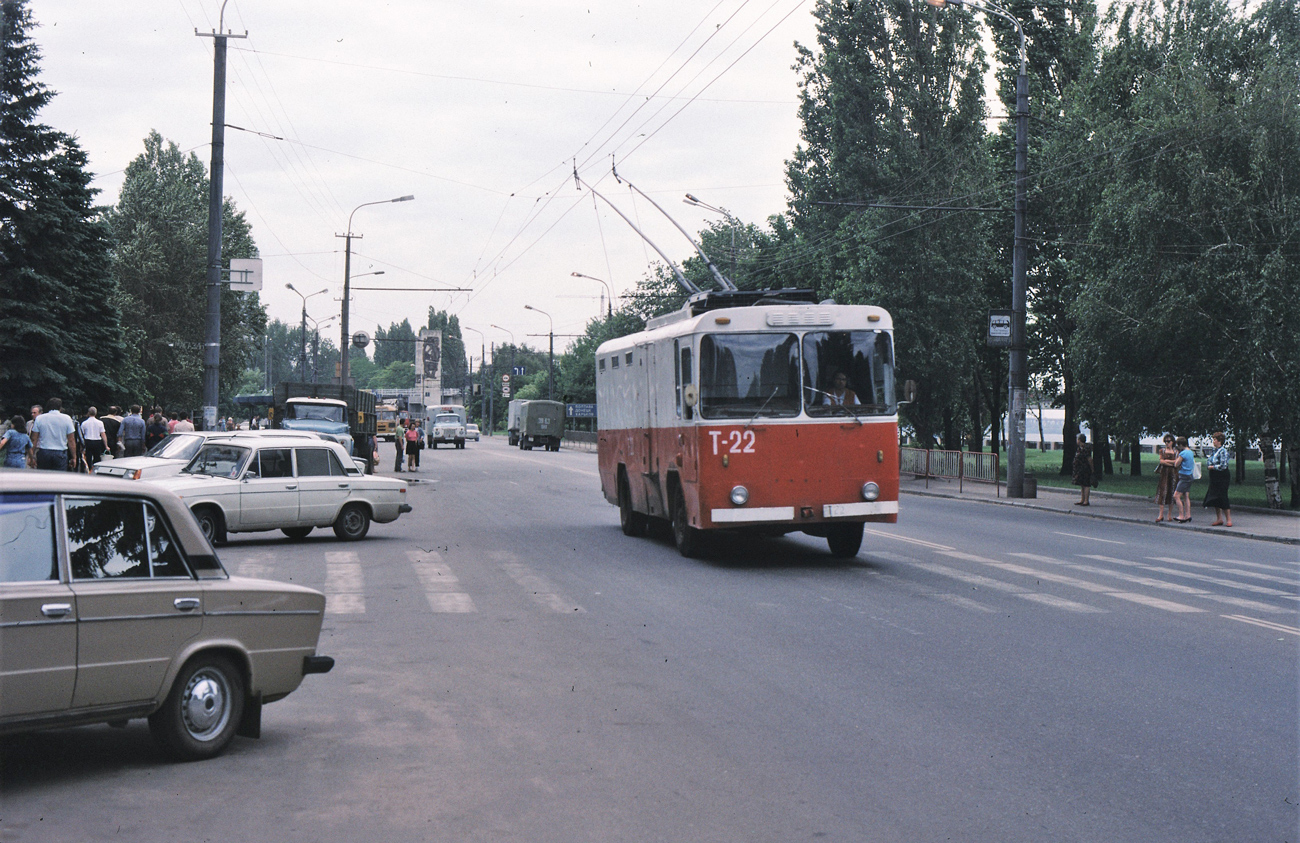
(1104, 517)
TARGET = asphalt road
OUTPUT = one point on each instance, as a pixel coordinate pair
(512, 668)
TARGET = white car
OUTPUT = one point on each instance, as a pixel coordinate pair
(447, 430)
(247, 484)
(471, 432)
(169, 456)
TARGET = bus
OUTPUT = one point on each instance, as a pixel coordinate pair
(761, 411)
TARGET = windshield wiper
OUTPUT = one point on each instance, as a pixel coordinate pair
(847, 408)
(760, 410)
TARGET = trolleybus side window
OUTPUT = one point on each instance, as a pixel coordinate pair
(848, 371)
(749, 375)
(682, 378)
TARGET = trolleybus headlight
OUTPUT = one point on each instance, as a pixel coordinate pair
(870, 491)
(740, 496)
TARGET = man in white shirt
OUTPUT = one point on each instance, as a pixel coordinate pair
(183, 424)
(95, 437)
(54, 436)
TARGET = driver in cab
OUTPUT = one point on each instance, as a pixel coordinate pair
(839, 395)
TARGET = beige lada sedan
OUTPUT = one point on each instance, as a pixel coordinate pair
(114, 606)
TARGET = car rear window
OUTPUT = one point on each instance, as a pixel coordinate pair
(27, 546)
(112, 538)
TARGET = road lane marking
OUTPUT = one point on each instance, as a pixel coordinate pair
(1253, 575)
(1088, 585)
(549, 463)
(442, 588)
(1155, 602)
(344, 584)
(1276, 627)
(540, 590)
(1089, 538)
(998, 585)
(258, 566)
(1254, 589)
(1263, 566)
(1060, 603)
(930, 545)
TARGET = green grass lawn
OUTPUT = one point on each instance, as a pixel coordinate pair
(1046, 465)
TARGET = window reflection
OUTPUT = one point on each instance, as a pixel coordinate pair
(749, 375)
(27, 548)
(106, 538)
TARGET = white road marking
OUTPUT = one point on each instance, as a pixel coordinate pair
(441, 587)
(549, 463)
(258, 566)
(998, 585)
(1263, 566)
(1087, 585)
(1276, 627)
(1253, 575)
(930, 545)
(540, 590)
(1089, 538)
(1154, 602)
(1254, 589)
(344, 584)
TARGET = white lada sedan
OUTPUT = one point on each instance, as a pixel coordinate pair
(114, 606)
(252, 485)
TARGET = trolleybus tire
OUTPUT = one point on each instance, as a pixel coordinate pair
(633, 523)
(845, 540)
(689, 540)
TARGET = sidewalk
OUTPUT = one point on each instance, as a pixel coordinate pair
(1248, 522)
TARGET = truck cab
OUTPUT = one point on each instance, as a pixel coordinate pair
(320, 415)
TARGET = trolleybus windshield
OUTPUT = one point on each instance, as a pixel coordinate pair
(848, 372)
(749, 375)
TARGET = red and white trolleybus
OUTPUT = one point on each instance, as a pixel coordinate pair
(764, 411)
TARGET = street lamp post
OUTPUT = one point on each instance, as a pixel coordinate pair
(315, 345)
(481, 362)
(732, 222)
(1018, 368)
(302, 351)
(609, 313)
(550, 377)
(345, 342)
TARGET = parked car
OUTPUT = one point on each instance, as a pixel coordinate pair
(114, 606)
(471, 431)
(447, 429)
(251, 483)
(172, 454)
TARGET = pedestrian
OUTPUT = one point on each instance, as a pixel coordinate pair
(1082, 470)
(1220, 477)
(112, 427)
(1186, 463)
(155, 432)
(412, 445)
(16, 446)
(133, 433)
(419, 439)
(54, 436)
(399, 440)
(95, 435)
(1166, 477)
(183, 425)
(171, 422)
(35, 411)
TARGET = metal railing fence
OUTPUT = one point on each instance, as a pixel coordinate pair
(975, 466)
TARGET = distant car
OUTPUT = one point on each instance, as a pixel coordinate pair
(447, 429)
(471, 431)
(251, 483)
(114, 606)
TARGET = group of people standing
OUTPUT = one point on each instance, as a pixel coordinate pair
(1175, 472)
(53, 440)
(409, 440)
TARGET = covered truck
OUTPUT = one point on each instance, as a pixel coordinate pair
(340, 412)
(541, 424)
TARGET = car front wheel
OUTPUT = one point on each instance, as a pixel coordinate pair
(211, 523)
(353, 523)
(200, 715)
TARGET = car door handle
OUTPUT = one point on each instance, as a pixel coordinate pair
(294, 486)
(343, 485)
(56, 610)
(186, 604)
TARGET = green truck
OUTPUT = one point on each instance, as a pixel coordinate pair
(538, 424)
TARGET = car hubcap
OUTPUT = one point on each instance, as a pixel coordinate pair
(206, 706)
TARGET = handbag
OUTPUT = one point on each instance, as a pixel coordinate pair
(1196, 469)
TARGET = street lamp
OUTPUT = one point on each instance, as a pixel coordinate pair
(1018, 369)
(345, 343)
(610, 312)
(731, 221)
(302, 354)
(315, 345)
(550, 377)
(482, 361)
(512, 353)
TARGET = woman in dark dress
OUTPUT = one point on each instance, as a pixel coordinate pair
(1082, 469)
(1220, 477)
(1166, 476)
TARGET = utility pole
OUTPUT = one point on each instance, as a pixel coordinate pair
(212, 330)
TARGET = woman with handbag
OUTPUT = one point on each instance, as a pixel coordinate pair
(1220, 477)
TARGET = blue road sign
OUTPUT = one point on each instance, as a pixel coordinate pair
(580, 411)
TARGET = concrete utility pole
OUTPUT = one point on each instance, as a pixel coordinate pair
(212, 330)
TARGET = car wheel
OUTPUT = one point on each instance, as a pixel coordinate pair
(689, 540)
(203, 710)
(353, 523)
(633, 522)
(296, 533)
(845, 540)
(211, 523)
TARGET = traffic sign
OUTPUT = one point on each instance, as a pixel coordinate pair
(580, 411)
(519, 370)
(505, 379)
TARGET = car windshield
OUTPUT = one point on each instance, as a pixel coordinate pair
(848, 373)
(447, 420)
(749, 375)
(218, 460)
(178, 446)
(315, 412)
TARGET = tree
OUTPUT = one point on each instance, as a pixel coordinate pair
(59, 327)
(395, 344)
(159, 227)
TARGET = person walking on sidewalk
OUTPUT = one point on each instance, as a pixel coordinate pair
(1220, 477)
(1166, 477)
(1186, 462)
(54, 436)
(1082, 469)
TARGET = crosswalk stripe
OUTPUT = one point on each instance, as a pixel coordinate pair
(1276, 627)
(442, 587)
(344, 584)
(1155, 602)
(1253, 589)
(1253, 575)
(258, 566)
(540, 590)
(1099, 588)
(1008, 588)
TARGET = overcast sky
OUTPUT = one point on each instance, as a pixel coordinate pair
(479, 109)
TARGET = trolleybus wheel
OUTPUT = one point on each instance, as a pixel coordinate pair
(844, 540)
(689, 540)
(632, 522)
